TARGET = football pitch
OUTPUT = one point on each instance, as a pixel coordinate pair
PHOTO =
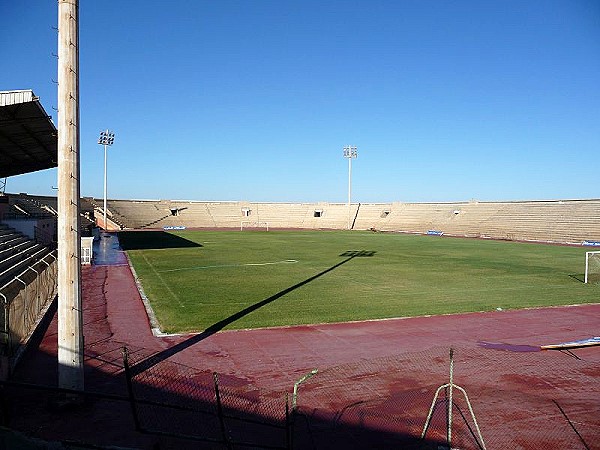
(198, 280)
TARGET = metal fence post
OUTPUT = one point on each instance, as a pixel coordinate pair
(5, 352)
(288, 434)
(6, 329)
(297, 384)
(220, 411)
(448, 388)
(131, 396)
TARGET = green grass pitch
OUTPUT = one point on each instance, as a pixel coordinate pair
(196, 280)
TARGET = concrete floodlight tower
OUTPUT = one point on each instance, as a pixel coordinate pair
(350, 153)
(70, 317)
(106, 138)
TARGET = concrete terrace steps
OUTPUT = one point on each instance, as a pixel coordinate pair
(17, 252)
(571, 221)
(557, 221)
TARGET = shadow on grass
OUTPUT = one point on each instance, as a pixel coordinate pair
(578, 276)
(155, 359)
(359, 253)
(149, 240)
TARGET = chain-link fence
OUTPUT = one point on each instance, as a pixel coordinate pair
(175, 400)
(485, 399)
(533, 400)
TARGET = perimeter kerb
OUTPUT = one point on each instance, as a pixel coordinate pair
(70, 317)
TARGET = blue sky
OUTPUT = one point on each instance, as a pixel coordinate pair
(254, 100)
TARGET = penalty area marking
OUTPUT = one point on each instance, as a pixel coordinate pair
(286, 261)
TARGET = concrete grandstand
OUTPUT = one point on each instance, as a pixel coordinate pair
(553, 221)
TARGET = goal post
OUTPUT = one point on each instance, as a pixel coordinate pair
(245, 224)
(592, 267)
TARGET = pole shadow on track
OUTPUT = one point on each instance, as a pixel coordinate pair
(218, 326)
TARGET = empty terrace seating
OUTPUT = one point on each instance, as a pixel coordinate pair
(571, 221)
(332, 216)
(280, 215)
(226, 214)
(159, 213)
(583, 220)
(23, 205)
(17, 253)
(419, 217)
(189, 214)
(373, 216)
(10, 238)
(47, 204)
(136, 213)
(553, 221)
(28, 283)
(550, 221)
(301, 215)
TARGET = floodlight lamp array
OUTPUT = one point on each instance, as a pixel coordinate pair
(106, 138)
(350, 151)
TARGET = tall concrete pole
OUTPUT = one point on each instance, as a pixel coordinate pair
(349, 192)
(350, 153)
(106, 138)
(70, 317)
(105, 177)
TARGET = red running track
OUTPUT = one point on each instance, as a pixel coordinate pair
(273, 359)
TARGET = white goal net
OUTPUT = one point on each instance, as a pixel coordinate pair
(592, 267)
(245, 224)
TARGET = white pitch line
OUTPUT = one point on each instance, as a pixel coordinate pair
(287, 261)
(163, 282)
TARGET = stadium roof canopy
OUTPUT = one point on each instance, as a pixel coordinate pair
(28, 138)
